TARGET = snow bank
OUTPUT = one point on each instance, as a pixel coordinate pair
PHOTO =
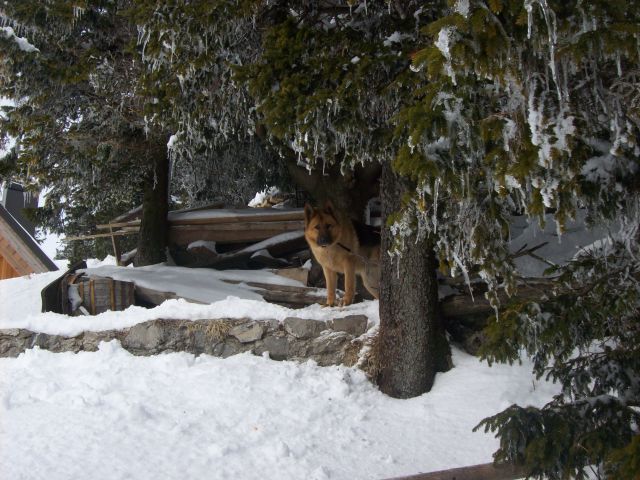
(109, 415)
(20, 305)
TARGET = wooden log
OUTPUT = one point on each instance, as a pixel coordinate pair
(293, 300)
(477, 472)
(292, 296)
(128, 216)
(464, 305)
(276, 287)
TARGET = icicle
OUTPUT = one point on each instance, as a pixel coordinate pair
(552, 29)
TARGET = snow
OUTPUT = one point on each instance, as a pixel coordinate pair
(262, 196)
(395, 37)
(111, 415)
(208, 244)
(23, 43)
(275, 240)
(221, 299)
(444, 43)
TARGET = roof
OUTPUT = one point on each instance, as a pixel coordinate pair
(19, 248)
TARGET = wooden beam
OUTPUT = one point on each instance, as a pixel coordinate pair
(99, 235)
(485, 471)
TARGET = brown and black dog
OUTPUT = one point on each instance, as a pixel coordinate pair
(337, 248)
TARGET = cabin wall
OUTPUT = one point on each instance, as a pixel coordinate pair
(6, 270)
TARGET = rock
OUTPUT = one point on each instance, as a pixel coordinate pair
(331, 348)
(356, 325)
(12, 332)
(247, 332)
(294, 339)
(144, 337)
(303, 327)
(278, 347)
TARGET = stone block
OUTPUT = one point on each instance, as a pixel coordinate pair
(278, 347)
(247, 332)
(143, 336)
(303, 327)
(355, 325)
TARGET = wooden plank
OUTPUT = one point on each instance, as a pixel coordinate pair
(116, 247)
(485, 471)
(14, 257)
(6, 270)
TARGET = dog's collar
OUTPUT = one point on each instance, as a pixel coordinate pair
(346, 248)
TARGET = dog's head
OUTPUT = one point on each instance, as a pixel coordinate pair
(321, 225)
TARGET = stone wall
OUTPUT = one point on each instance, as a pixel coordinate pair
(330, 342)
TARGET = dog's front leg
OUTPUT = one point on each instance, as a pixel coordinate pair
(349, 283)
(331, 279)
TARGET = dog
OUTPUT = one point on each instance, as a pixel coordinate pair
(338, 248)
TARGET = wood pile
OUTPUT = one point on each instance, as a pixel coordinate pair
(223, 238)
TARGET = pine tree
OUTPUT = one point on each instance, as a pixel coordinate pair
(330, 79)
(188, 51)
(531, 106)
(79, 115)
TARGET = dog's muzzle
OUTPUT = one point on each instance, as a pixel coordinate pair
(324, 241)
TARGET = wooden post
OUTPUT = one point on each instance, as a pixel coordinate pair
(116, 246)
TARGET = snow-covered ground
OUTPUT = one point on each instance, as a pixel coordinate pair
(110, 415)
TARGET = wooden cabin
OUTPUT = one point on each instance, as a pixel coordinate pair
(20, 254)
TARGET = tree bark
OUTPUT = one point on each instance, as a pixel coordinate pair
(349, 193)
(154, 227)
(411, 344)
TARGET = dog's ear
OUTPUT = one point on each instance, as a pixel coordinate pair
(308, 213)
(328, 208)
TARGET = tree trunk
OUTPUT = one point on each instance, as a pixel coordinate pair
(154, 228)
(411, 344)
(349, 193)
